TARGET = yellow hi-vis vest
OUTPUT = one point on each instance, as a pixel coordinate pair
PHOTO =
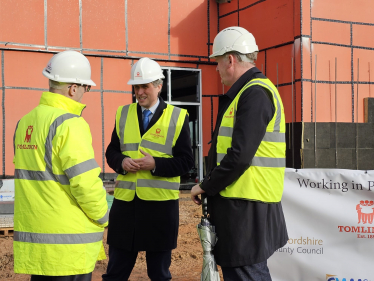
(60, 206)
(263, 180)
(158, 141)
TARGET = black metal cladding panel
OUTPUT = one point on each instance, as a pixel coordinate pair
(332, 135)
(346, 135)
(322, 136)
(346, 158)
(366, 159)
(369, 110)
(366, 135)
(325, 158)
(308, 158)
(308, 136)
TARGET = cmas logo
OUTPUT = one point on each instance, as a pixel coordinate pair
(138, 74)
(29, 131)
(330, 277)
(158, 131)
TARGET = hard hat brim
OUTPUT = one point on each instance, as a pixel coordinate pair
(143, 81)
(69, 80)
(240, 49)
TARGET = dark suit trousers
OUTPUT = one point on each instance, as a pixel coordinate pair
(80, 277)
(254, 272)
(121, 263)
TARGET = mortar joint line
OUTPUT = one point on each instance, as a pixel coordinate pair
(46, 24)
(3, 108)
(102, 115)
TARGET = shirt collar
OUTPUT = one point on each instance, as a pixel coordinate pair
(153, 108)
(244, 79)
(62, 102)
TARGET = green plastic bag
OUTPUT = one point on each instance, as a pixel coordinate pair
(109, 199)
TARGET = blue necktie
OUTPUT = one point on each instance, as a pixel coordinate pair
(146, 113)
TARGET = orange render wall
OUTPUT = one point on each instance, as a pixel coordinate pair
(302, 29)
(343, 30)
(275, 25)
(114, 35)
(179, 33)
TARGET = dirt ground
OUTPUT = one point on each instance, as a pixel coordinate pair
(186, 258)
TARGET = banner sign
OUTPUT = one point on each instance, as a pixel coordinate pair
(329, 215)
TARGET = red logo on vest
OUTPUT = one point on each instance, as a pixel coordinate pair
(365, 211)
(29, 131)
(230, 113)
(157, 135)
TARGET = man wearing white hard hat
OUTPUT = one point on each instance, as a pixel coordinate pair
(150, 149)
(60, 206)
(246, 162)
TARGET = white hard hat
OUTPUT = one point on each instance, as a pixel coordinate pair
(145, 71)
(69, 67)
(234, 38)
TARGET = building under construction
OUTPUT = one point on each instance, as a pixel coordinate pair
(318, 53)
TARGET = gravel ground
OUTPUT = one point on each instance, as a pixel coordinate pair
(186, 258)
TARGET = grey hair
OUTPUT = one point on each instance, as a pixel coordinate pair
(57, 85)
(157, 82)
(244, 57)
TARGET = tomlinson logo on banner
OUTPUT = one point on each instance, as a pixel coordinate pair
(365, 211)
(365, 215)
(330, 277)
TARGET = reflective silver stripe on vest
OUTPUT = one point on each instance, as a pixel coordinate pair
(279, 110)
(274, 137)
(51, 134)
(122, 123)
(225, 131)
(220, 157)
(167, 147)
(126, 185)
(81, 168)
(47, 175)
(269, 136)
(158, 184)
(40, 176)
(104, 219)
(157, 147)
(48, 238)
(268, 162)
(129, 146)
(33, 175)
